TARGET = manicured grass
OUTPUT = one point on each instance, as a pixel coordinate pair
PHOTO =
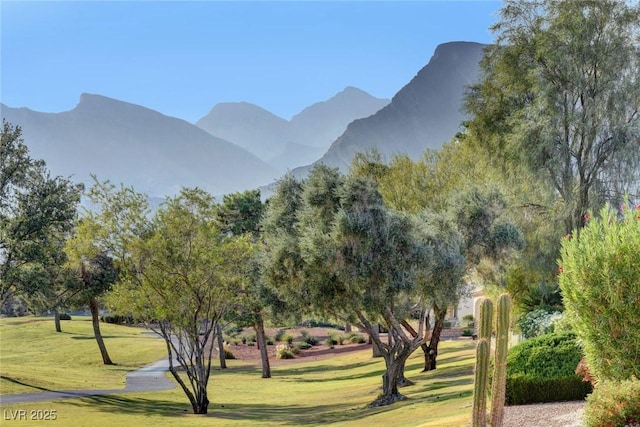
(330, 391)
(34, 357)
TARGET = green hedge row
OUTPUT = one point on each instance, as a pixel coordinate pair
(522, 390)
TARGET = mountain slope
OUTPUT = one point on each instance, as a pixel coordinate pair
(137, 146)
(425, 113)
(271, 138)
(251, 127)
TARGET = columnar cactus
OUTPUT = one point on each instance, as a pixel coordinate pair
(483, 348)
(481, 384)
(500, 360)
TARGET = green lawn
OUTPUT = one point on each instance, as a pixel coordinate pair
(332, 391)
(34, 357)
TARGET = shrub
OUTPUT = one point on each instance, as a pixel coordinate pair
(303, 346)
(600, 282)
(614, 404)
(283, 351)
(232, 330)
(330, 342)
(542, 369)
(116, 319)
(64, 316)
(269, 340)
(288, 338)
(522, 390)
(337, 339)
(228, 354)
(279, 334)
(310, 340)
(357, 339)
(537, 322)
(467, 333)
(313, 323)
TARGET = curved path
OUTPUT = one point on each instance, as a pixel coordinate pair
(150, 378)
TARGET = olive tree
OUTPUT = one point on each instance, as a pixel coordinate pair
(340, 251)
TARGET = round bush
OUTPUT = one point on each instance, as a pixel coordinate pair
(542, 369)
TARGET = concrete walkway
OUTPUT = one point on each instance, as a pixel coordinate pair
(150, 378)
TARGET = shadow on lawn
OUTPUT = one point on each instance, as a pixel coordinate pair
(133, 405)
(13, 380)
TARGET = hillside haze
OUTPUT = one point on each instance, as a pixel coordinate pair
(289, 143)
(426, 113)
(130, 144)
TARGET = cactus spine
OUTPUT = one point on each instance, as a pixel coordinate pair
(482, 364)
(500, 360)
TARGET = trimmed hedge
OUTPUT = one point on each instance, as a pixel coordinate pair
(522, 390)
(542, 369)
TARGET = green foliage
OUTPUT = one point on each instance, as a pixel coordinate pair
(537, 322)
(240, 213)
(280, 333)
(36, 214)
(559, 99)
(303, 345)
(525, 390)
(548, 356)
(600, 281)
(65, 316)
(117, 319)
(613, 404)
(542, 369)
(288, 338)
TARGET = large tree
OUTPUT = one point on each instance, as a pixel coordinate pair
(35, 209)
(560, 96)
(101, 243)
(339, 251)
(185, 278)
(240, 215)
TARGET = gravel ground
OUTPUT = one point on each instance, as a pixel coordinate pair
(565, 414)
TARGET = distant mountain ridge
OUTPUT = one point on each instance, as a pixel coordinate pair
(127, 143)
(426, 113)
(158, 154)
(283, 143)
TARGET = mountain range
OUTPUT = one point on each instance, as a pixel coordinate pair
(286, 143)
(238, 146)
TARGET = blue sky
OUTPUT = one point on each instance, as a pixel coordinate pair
(181, 58)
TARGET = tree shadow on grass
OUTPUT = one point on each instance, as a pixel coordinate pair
(13, 380)
(132, 405)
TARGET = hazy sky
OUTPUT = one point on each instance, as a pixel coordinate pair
(181, 58)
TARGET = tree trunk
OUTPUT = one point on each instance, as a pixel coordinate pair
(56, 320)
(220, 338)
(93, 305)
(375, 338)
(432, 353)
(390, 379)
(347, 327)
(201, 404)
(262, 343)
